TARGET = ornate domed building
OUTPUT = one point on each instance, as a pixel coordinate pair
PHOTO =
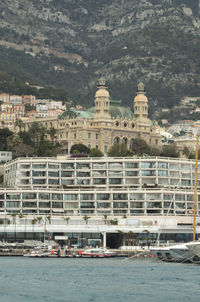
(105, 124)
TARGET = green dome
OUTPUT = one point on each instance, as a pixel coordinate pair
(116, 111)
(77, 114)
(121, 112)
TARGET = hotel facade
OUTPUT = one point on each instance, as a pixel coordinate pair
(98, 199)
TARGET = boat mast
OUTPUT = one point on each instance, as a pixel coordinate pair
(195, 191)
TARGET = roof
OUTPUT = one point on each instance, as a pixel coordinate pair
(116, 111)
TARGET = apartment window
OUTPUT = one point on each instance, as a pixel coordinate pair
(67, 166)
(39, 181)
(53, 174)
(103, 196)
(120, 196)
(53, 182)
(97, 136)
(148, 165)
(39, 166)
(74, 135)
(70, 196)
(103, 205)
(120, 205)
(51, 166)
(86, 197)
(38, 173)
(43, 196)
(89, 135)
(28, 195)
(12, 204)
(12, 197)
(57, 196)
(66, 173)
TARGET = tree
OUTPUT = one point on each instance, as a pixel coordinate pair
(14, 222)
(96, 153)
(33, 221)
(36, 132)
(19, 124)
(86, 218)
(114, 221)
(49, 219)
(147, 236)
(119, 150)
(21, 216)
(5, 135)
(67, 219)
(169, 151)
(140, 147)
(105, 218)
(80, 148)
(52, 131)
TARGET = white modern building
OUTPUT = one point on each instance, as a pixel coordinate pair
(5, 156)
(99, 198)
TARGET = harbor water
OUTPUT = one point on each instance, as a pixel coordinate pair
(101, 280)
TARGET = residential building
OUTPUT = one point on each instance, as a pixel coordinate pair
(5, 156)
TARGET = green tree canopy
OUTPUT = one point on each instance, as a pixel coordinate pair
(169, 151)
(5, 135)
(119, 150)
(96, 153)
(140, 147)
(80, 148)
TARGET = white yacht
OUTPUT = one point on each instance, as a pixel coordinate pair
(98, 253)
(194, 247)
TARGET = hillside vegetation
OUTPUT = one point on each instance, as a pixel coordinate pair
(70, 44)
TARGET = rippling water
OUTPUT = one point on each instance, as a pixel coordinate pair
(85, 280)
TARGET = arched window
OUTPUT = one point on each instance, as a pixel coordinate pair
(124, 140)
(131, 144)
(116, 140)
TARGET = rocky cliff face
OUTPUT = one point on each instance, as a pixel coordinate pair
(74, 42)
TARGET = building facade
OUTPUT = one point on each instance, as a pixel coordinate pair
(100, 198)
(105, 124)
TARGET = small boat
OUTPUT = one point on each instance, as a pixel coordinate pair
(36, 253)
(97, 253)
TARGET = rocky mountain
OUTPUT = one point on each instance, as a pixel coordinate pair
(72, 43)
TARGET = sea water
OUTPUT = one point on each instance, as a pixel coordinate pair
(85, 280)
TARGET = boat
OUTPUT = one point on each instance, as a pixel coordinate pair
(184, 252)
(194, 247)
(36, 252)
(96, 253)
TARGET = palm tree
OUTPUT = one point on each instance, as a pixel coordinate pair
(105, 218)
(86, 218)
(67, 219)
(147, 236)
(124, 236)
(49, 219)
(14, 222)
(52, 131)
(33, 221)
(21, 215)
(19, 124)
(132, 237)
(39, 218)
